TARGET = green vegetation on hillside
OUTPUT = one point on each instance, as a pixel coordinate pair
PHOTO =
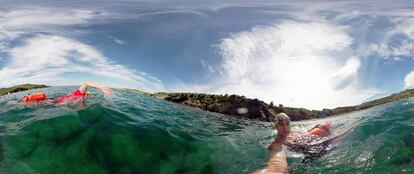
(24, 87)
(393, 97)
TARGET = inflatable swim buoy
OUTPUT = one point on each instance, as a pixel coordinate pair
(39, 96)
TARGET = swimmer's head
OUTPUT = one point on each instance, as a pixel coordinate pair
(326, 126)
(282, 124)
(281, 117)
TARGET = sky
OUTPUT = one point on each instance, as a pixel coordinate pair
(309, 54)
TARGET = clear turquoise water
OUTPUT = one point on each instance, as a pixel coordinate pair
(132, 133)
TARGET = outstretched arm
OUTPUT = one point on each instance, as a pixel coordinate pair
(87, 84)
(277, 160)
(316, 126)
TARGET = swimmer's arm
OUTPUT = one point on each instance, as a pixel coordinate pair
(316, 126)
(292, 138)
(87, 84)
(276, 146)
(277, 161)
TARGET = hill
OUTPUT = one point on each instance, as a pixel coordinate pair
(18, 88)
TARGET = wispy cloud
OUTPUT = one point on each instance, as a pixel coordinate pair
(297, 64)
(44, 59)
(25, 18)
(48, 57)
(398, 42)
(207, 66)
(29, 20)
(116, 40)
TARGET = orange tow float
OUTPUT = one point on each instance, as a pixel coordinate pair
(39, 96)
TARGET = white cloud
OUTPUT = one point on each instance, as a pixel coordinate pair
(409, 80)
(205, 65)
(116, 40)
(382, 30)
(405, 25)
(388, 51)
(6, 36)
(44, 59)
(19, 21)
(397, 42)
(193, 12)
(296, 64)
(29, 18)
(47, 58)
(346, 75)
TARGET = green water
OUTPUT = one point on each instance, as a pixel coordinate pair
(132, 133)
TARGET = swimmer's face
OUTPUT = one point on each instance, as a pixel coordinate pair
(283, 127)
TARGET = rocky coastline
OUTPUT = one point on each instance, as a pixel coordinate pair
(243, 107)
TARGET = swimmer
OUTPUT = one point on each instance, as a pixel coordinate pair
(277, 162)
(314, 143)
(299, 138)
(78, 95)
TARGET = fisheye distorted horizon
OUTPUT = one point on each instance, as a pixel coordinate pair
(300, 54)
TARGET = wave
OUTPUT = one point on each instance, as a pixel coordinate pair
(132, 133)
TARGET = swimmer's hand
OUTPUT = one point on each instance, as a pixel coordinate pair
(106, 91)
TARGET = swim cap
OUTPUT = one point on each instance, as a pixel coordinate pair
(326, 126)
(280, 117)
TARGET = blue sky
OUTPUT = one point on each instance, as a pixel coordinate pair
(298, 53)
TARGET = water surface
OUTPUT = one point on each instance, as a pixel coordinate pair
(132, 133)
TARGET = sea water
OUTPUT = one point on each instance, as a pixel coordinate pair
(132, 133)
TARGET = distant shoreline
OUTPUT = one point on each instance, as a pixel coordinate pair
(18, 88)
(242, 107)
